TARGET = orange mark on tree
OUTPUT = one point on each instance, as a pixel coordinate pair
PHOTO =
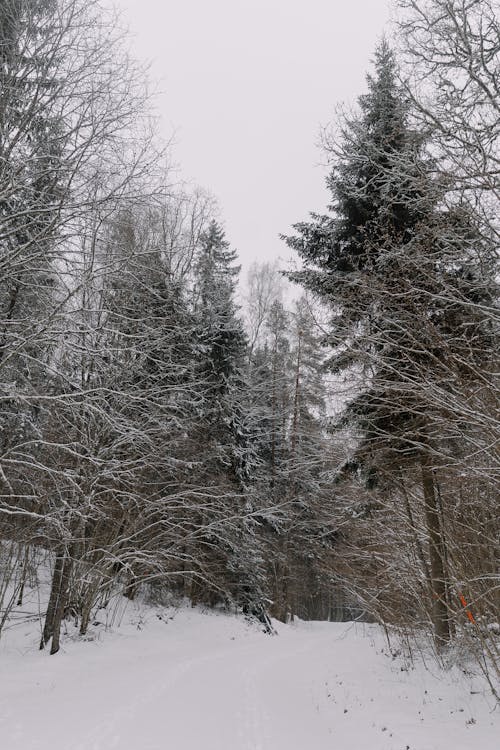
(467, 610)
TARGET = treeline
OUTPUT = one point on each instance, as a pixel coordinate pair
(152, 436)
(146, 439)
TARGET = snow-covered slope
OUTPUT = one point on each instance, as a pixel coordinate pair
(208, 681)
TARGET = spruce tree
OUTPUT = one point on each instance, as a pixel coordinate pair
(31, 178)
(225, 429)
(396, 266)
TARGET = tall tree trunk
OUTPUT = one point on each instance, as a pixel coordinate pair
(273, 417)
(414, 530)
(24, 573)
(57, 601)
(440, 617)
(296, 396)
(445, 557)
(61, 603)
(48, 628)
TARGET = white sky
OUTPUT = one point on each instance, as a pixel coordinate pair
(246, 86)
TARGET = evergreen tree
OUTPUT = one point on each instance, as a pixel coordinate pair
(222, 347)
(225, 428)
(396, 266)
(31, 166)
(221, 331)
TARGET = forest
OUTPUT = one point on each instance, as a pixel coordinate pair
(168, 429)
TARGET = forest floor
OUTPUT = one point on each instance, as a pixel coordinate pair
(183, 679)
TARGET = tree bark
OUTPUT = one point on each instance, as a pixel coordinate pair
(440, 615)
(61, 603)
(48, 628)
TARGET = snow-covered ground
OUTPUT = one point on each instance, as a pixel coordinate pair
(209, 681)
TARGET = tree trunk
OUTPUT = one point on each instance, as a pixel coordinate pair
(48, 628)
(24, 573)
(296, 396)
(61, 603)
(440, 618)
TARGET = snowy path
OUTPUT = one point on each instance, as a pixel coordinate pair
(210, 682)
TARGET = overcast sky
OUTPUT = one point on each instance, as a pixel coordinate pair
(246, 85)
